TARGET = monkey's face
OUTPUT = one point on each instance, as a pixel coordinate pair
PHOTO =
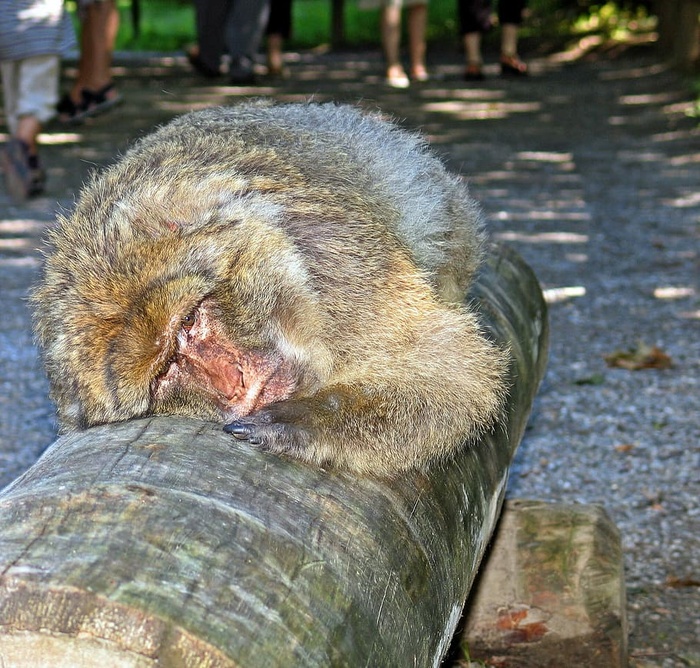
(164, 342)
(171, 322)
(207, 370)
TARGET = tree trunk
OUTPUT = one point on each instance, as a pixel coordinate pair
(679, 31)
(165, 542)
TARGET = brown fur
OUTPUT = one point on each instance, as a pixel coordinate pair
(291, 270)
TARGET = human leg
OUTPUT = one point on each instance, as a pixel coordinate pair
(31, 90)
(243, 33)
(510, 13)
(390, 26)
(472, 51)
(279, 28)
(474, 20)
(210, 18)
(417, 19)
(93, 90)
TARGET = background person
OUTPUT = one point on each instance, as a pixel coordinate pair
(390, 26)
(34, 35)
(93, 91)
(475, 20)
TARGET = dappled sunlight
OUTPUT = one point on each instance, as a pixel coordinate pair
(634, 72)
(578, 50)
(53, 138)
(648, 98)
(477, 111)
(543, 237)
(568, 178)
(16, 245)
(546, 214)
(673, 104)
(463, 94)
(29, 261)
(19, 226)
(674, 292)
(329, 75)
(19, 237)
(555, 295)
(683, 108)
(682, 160)
(547, 156)
(692, 199)
(641, 156)
(211, 96)
(675, 135)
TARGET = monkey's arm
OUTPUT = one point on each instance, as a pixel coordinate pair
(438, 394)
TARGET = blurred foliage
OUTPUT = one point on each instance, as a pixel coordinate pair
(169, 25)
(695, 112)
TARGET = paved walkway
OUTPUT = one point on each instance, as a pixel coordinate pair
(591, 170)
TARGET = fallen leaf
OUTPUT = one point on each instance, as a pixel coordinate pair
(595, 379)
(624, 447)
(641, 357)
(680, 583)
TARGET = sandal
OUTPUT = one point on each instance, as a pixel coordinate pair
(24, 176)
(99, 101)
(512, 66)
(92, 103)
(474, 72)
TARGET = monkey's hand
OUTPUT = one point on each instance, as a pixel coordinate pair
(285, 427)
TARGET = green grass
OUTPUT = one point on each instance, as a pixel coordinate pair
(169, 25)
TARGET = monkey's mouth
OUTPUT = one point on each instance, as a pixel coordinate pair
(237, 384)
(208, 369)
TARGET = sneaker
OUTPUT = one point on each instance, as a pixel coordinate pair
(241, 72)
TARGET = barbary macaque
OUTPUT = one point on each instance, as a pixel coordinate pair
(296, 272)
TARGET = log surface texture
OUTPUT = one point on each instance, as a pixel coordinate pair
(164, 542)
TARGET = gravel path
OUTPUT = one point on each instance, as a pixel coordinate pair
(591, 169)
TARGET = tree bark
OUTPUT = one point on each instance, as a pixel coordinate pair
(165, 542)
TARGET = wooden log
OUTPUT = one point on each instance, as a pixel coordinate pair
(550, 592)
(165, 542)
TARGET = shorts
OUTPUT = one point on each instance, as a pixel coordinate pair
(30, 86)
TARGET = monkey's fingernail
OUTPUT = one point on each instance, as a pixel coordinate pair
(239, 430)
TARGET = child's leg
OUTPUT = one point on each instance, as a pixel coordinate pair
(9, 69)
(31, 91)
(37, 94)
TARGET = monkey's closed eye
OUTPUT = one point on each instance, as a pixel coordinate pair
(189, 321)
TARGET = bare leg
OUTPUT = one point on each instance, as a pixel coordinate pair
(28, 128)
(97, 38)
(417, 21)
(472, 51)
(510, 62)
(275, 60)
(391, 43)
